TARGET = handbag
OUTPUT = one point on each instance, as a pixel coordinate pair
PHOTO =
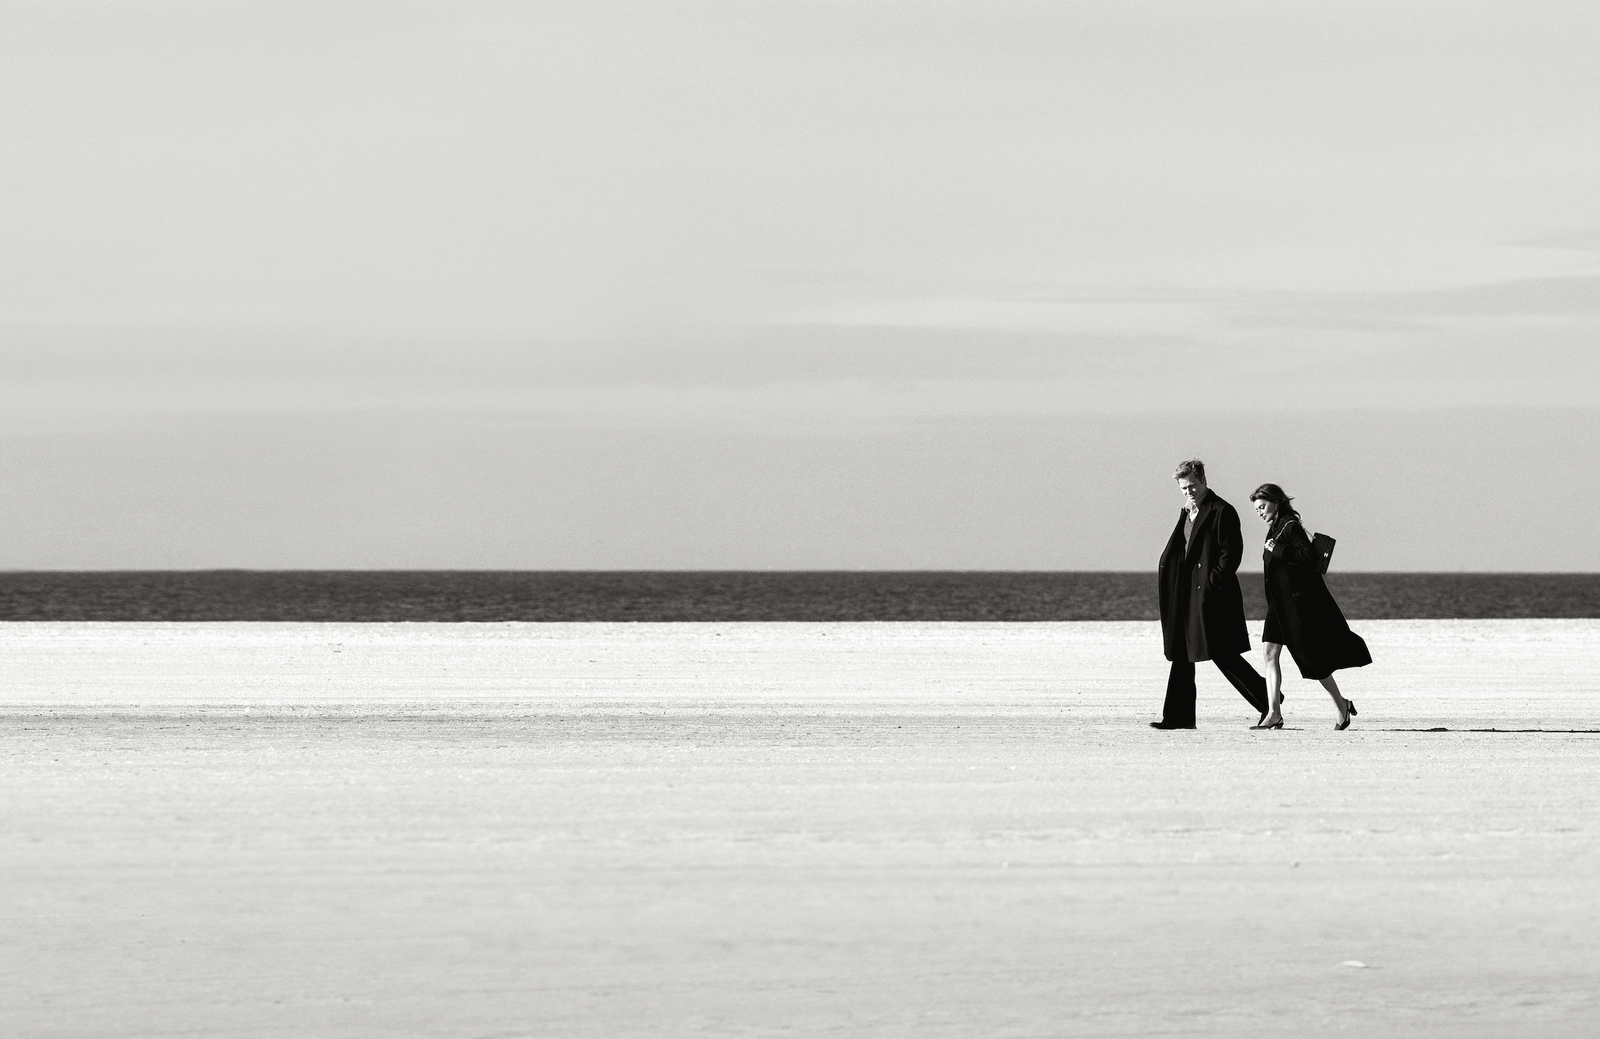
(1324, 546)
(1322, 543)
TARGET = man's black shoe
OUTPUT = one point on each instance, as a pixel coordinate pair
(1169, 725)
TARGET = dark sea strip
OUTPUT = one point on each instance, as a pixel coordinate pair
(474, 595)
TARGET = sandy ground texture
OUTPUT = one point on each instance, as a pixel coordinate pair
(930, 830)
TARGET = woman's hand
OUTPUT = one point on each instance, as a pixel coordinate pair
(1268, 545)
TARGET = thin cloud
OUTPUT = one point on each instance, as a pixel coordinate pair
(1573, 241)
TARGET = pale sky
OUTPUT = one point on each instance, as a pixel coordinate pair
(772, 284)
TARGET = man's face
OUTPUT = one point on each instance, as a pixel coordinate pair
(1193, 489)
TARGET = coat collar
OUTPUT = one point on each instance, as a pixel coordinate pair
(1208, 505)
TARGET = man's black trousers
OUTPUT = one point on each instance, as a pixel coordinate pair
(1179, 708)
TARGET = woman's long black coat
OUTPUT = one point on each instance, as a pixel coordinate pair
(1308, 620)
(1202, 610)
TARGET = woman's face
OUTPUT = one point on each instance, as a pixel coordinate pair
(1267, 510)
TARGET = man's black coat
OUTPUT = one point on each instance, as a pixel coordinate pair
(1202, 612)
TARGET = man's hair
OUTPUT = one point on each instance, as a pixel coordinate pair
(1193, 467)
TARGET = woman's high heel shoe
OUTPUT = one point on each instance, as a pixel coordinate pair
(1350, 712)
(1261, 723)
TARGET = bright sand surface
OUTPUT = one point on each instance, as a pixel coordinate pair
(961, 830)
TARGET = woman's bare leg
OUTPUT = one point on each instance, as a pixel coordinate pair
(1270, 652)
(1339, 702)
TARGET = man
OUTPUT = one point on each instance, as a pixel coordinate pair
(1202, 612)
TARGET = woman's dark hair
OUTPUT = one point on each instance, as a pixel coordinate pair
(1273, 493)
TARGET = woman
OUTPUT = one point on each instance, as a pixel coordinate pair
(1301, 614)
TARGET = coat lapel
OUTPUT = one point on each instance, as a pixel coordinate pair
(1208, 505)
